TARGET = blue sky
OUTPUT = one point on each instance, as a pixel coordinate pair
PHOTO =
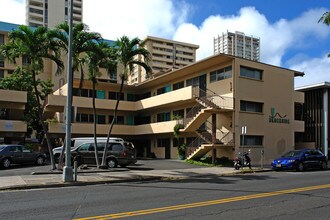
(290, 34)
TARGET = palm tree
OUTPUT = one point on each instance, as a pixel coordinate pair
(326, 20)
(82, 43)
(34, 45)
(101, 56)
(127, 52)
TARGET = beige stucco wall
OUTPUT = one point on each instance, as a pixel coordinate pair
(275, 90)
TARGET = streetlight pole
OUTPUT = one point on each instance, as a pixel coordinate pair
(67, 170)
(243, 133)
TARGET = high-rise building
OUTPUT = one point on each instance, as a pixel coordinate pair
(49, 13)
(238, 44)
(166, 55)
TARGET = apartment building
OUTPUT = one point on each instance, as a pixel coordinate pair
(166, 55)
(238, 44)
(315, 112)
(214, 97)
(50, 13)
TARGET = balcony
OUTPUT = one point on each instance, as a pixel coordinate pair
(56, 103)
(13, 99)
(102, 130)
(13, 126)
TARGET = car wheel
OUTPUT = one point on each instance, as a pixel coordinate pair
(112, 163)
(6, 163)
(300, 167)
(40, 160)
(324, 165)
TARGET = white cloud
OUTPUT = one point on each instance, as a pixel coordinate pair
(316, 70)
(134, 18)
(168, 19)
(12, 11)
(276, 38)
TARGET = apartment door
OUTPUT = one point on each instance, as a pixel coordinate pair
(202, 85)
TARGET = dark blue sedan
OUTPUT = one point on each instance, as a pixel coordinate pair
(300, 160)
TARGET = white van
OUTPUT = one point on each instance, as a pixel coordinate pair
(76, 142)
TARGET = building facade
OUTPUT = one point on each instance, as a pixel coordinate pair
(238, 44)
(50, 13)
(212, 99)
(166, 55)
(316, 116)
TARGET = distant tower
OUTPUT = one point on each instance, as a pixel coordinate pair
(166, 55)
(238, 44)
(50, 13)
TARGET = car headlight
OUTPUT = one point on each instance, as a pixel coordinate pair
(291, 161)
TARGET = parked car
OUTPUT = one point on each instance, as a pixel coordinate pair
(119, 153)
(300, 160)
(76, 142)
(19, 154)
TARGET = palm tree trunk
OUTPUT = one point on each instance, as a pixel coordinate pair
(112, 123)
(94, 124)
(52, 161)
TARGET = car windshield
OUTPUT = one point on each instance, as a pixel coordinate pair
(2, 147)
(293, 153)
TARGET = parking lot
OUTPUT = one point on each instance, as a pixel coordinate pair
(146, 164)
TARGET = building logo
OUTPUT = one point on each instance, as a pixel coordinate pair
(275, 117)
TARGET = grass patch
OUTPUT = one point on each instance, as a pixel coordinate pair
(207, 161)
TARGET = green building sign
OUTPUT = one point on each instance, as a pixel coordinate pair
(275, 117)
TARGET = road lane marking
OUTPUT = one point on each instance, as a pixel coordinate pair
(205, 203)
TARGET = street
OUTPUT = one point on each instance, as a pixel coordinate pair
(271, 195)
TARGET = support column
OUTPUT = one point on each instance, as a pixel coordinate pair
(214, 136)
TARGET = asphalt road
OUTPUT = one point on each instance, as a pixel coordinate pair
(271, 195)
(154, 164)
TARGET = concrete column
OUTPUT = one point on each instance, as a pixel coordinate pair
(214, 136)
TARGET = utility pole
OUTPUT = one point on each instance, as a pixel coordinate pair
(67, 170)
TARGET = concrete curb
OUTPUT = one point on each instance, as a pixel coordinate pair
(79, 183)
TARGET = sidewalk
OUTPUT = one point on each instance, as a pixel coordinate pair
(93, 176)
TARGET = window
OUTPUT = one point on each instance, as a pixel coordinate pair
(120, 120)
(192, 82)
(247, 106)
(101, 119)
(251, 140)
(163, 117)
(114, 95)
(116, 147)
(131, 97)
(2, 74)
(251, 73)
(163, 142)
(165, 89)
(2, 39)
(25, 60)
(84, 118)
(4, 113)
(179, 113)
(178, 85)
(220, 74)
